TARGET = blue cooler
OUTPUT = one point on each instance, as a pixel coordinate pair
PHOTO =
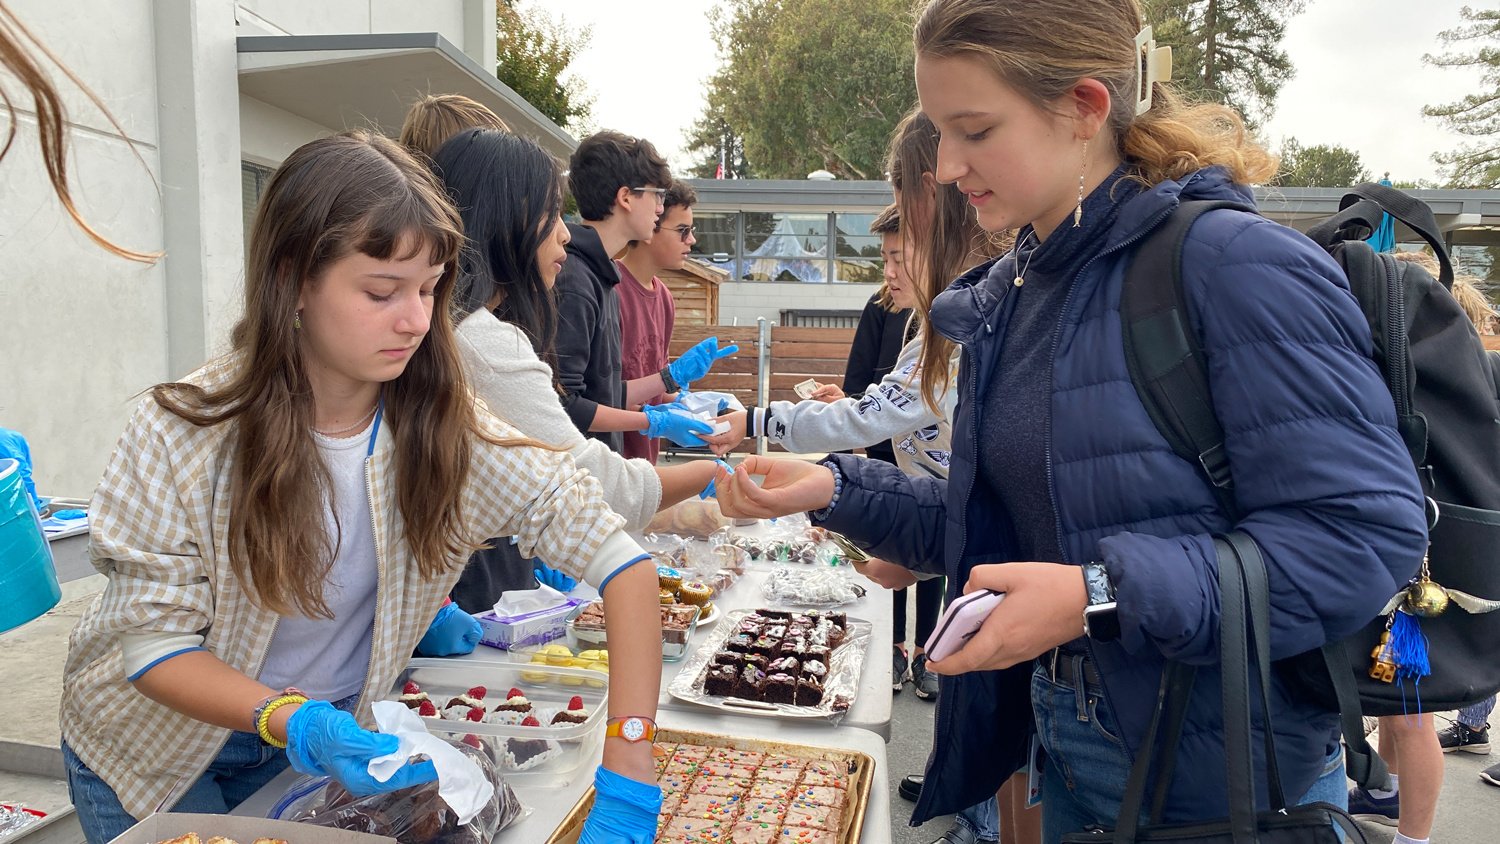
(27, 579)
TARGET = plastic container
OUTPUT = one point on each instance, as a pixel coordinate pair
(674, 643)
(570, 745)
(532, 628)
(27, 577)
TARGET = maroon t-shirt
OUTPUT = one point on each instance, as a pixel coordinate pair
(646, 320)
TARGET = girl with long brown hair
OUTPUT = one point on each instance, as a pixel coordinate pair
(1056, 119)
(291, 517)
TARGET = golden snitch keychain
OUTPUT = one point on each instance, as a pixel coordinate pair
(1402, 651)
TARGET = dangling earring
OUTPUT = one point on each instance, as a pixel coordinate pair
(1078, 211)
(297, 320)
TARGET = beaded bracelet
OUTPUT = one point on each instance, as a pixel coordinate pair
(263, 717)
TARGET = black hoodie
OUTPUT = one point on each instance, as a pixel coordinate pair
(588, 334)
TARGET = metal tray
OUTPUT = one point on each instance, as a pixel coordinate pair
(845, 665)
(861, 777)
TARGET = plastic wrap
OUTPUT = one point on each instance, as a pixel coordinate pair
(697, 518)
(839, 687)
(411, 815)
(811, 587)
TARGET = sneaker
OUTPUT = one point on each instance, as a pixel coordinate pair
(1460, 736)
(898, 668)
(1382, 810)
(925, 681)
(1491, 775)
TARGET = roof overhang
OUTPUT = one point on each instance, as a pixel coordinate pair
(345, 81)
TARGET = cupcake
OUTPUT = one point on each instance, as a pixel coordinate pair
(514, 709)
(458, 708)
(574, 714)
(695, 592)
(668, 578)
(667, 597)
(412, 695)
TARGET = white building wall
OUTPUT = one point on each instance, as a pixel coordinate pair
(85, 332)
(747, 300)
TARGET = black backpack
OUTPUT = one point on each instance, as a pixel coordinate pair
(1448, 414)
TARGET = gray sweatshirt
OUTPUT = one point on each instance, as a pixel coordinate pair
(506, 374)
(890, 410)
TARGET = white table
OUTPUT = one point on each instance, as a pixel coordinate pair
(550, 805)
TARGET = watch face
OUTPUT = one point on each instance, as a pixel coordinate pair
(632, 729)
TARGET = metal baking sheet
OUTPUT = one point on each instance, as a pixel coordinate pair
(846, 663)
(861, 778)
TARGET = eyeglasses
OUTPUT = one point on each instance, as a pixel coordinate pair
(661, 194)
(683, 231)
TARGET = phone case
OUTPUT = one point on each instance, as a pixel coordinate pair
(960, 622)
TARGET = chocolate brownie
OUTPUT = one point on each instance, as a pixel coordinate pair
(780, 688)
(722, 681)
(809, 692)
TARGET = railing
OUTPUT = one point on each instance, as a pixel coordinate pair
(809, 318)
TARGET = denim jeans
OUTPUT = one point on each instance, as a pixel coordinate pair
(242, 768)
(1477, 717)
(982, 819)
(1087, 763)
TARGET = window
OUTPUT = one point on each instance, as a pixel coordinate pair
(783, 246)
(718, 234)
(857, 252)
(253, 178)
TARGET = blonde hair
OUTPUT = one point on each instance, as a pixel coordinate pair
(435, 118)
(1476, 306)
(942, 236)
(1042, 48)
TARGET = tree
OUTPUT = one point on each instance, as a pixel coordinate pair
(1319, 166)
(807, 85)
(532, 53)
(1227, 51)
(1477, 115)
(718, 145)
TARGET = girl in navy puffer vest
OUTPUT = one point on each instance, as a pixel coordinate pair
(1062, 492)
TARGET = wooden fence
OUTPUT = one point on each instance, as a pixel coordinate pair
(771, 361)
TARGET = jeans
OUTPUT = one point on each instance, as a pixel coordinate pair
(1087, 763)
(982, 819)
(1477, 717)
(242, 768)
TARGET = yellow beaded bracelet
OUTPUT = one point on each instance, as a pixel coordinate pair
(262, 724)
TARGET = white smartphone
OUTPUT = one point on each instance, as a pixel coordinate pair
(960, 621)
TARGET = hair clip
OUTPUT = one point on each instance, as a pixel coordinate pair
(1153, 65)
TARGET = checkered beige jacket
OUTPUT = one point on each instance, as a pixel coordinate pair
(160, 520)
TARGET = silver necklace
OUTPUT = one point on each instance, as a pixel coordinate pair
(352, 428)
(1021, 276)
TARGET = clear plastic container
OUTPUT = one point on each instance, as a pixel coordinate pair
(674, 643)
(541, 755)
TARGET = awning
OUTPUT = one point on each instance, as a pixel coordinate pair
(345, 81)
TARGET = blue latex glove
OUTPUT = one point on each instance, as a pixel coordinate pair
(451, 633)
(710, 491)
(548, 576)
(12, 444)
(674, 424)
(697, 361)
(624, 810)
(323, 741)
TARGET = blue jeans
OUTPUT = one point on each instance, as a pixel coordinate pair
(242, 768)
(1087, 763)
(982, 819)
(1477, 717)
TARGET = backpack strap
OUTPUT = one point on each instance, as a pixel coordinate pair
(1170, 374)
(1362, 209)
(1161, 349)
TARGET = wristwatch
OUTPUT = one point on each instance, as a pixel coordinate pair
(1101, 622)
(633, 728)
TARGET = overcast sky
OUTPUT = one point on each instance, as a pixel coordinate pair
(1360, 79)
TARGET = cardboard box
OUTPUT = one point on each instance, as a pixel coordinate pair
(532, 628)
(164, 826)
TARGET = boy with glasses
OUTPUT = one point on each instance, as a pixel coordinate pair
(620, 185)
(647, 312)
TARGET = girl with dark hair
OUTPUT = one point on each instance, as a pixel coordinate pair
(1056, 120)
(509, 193)
(291, 517)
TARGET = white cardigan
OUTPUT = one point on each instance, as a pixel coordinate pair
(505, 372)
